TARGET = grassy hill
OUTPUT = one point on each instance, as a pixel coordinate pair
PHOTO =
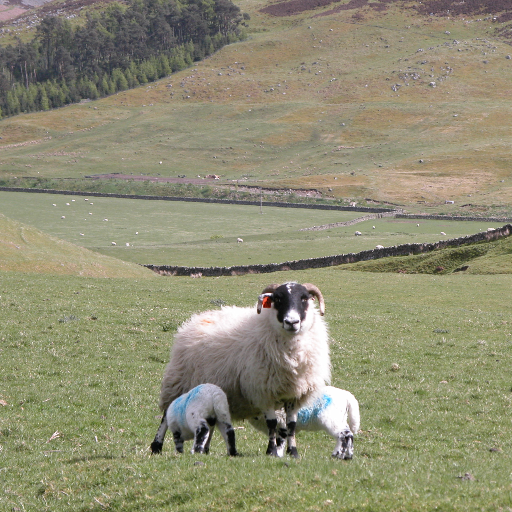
(340, 101)
(26, 248)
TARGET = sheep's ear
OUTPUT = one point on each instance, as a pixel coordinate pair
(264, 301)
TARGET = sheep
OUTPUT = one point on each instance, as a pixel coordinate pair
(379, 247)
(194, 415)
(358, 233)
(329, 412)
(239, 240)
(263, 358)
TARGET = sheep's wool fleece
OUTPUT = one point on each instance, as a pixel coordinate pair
(257, 366)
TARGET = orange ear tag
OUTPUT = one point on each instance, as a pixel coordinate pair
(267, 303)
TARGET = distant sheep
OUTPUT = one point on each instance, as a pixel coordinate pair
(265, 357)
(358, 233)
(194, 416)
(239, 240)
(379, 247)
(334, 410)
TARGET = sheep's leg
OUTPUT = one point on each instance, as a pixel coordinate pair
(228, 433)
(291, 423)
(178, 441)
(345, 445)
(158, 442)
(211, 424)
(201, 437)
(281, 441)
(270, 418)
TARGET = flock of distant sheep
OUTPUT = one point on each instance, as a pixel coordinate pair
(268, 364)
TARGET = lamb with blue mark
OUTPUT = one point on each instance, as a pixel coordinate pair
(334, 410)
(194, 416)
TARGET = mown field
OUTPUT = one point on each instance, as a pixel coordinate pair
(426, 356)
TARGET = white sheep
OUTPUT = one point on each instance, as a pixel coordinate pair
(194, 416)
(333, 410)
(265, 357)
(239, 240)
(358, 233)
(379, 247)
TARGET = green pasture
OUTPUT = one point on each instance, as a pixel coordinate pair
(428, 358)
(201, 234)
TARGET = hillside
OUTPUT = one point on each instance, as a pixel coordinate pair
(361, 101)
(24, 248)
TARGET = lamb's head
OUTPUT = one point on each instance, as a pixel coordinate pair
(291, 304)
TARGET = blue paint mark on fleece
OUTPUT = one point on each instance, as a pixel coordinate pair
(306, 414)
(180, 405)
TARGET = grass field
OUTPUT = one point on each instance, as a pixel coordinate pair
(426, 356)
(341, 103)
(198, 234)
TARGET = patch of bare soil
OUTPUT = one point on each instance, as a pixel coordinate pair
(8, 12)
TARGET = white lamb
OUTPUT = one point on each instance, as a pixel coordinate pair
(194, 416)
(273, 355)
(329, 412)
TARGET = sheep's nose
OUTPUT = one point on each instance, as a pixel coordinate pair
(292, 324)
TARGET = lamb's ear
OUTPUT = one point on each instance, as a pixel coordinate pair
(264, 301)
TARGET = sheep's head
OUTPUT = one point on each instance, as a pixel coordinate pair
(291, 302)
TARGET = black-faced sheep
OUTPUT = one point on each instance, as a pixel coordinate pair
(265, 357)
(334, 411)
(194, 416)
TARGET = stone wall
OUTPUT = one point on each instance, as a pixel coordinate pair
(329, 261)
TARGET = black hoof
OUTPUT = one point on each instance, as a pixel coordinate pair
(156, 447)
(292, 452)
(272, 451)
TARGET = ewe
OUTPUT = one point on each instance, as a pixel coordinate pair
(265, 357)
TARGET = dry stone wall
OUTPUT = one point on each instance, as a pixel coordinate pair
(329, 261)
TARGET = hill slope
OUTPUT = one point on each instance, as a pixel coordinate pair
(24, 248)
(360, 101)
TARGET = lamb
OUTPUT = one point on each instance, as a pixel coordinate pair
(263, 358)
(329, 412)
(194, 415)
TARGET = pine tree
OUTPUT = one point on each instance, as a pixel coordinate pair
(44, 103)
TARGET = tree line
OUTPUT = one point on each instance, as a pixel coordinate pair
(123, 46)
